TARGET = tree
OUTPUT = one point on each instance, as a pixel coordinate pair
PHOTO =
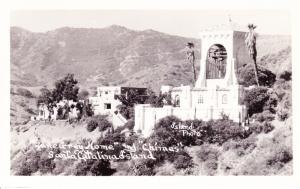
(83, 95)
(191, 57)
(45, 98)
(84, 107)
(66, 89)
(129, 99)
(160, 100)
(250, 40)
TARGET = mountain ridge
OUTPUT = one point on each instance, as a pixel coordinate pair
(112, 55)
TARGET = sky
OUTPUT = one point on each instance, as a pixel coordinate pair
(186, 23)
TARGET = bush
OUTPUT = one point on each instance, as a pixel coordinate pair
(256, 127)
(30, 110)
(208, 156)
(46, 164)
(282, 114)
(98, 121)
(94, 168)
(25, 93)
(247, 76)
(286, 75)
(104, 124)
(267, 127)
(92, 125)
(28, 164)
(284, 107)
(207, 152)
(223, 130)
(130, 124)
(183, 161)
(264, 116)
(22, 104)
(33, 160)
(143, 167)
(282, 156)
(256, 99)
(241, 147)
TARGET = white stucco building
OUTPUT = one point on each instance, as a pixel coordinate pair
(216, 91)
(106, 102)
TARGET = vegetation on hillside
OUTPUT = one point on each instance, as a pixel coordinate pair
(216, 147)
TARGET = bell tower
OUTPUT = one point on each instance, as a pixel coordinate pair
(223, 51)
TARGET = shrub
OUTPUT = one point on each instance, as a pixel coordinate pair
(104, 124)
(92, 125)
(22, 104)
(208, 156)
(223, 130)
(143, 167)
(282, 114)
(255, 99)
(183, 161)
(46, 164)
(282, 156)
(256, 127)
(98, 121)
(284, 107)
(28, 164)
(12, 91)
(286, 75)
(163, 132)
(130, 124)
(264, 116)
(207, 151)
(94, 168)
(25, 93)
(30, 110)
(267, 127)
(33, 160)
(241, 147)
(247, 76)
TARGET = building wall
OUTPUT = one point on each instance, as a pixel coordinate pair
(146, 116)
(104, 98)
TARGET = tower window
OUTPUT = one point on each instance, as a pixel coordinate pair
(200, 99)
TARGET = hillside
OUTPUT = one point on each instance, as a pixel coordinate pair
(113, 55)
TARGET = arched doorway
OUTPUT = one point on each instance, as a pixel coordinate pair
(216, 62)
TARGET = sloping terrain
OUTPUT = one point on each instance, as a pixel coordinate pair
(113, 55)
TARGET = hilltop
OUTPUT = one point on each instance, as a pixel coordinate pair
(113, 55)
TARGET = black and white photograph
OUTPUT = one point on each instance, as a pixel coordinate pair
(151, 93)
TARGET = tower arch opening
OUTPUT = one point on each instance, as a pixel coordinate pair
(216, 61)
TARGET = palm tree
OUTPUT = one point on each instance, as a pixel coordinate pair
(250, 40)
(191, 57)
